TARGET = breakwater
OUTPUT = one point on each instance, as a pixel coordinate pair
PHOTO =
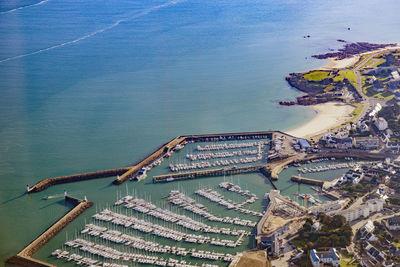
(205, 173)
(24, 257)
(160, 152)
(126, 173)
(43, 184)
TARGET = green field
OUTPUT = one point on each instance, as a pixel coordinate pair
(351, 76)
(318, 75)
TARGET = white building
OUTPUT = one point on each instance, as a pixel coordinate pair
(363, 210)
(329, 208)
(381, 124)
(330, 257)
(367, 143)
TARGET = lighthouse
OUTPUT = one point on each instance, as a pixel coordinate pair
(27, 188)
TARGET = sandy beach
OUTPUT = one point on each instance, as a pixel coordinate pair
(328, 115)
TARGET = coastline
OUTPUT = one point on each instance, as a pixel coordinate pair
(328, 115)
(331, 114)
(348, 62)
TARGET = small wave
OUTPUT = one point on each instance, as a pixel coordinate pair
(23, 7)
(115, 24)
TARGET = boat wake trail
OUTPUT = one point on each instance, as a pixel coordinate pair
(115, 24)
(23, 7)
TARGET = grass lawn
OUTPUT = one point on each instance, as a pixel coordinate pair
(384, 95)
(317, 75)
(356, 111)
(351, 76)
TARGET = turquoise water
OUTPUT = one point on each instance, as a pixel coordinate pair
(90, 85)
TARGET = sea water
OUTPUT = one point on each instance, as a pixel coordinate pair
(91, 85)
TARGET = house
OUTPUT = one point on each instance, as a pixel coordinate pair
(325, 257)
(375, 254)
(372, 80)
(316, 226)
(393, 223)
(397, 95)
(395, 76)
(354, 176)
(381, 124)
(367, 143)
(366, 232)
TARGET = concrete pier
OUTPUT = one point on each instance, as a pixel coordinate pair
(24, 257)
(205, 173)
(307, 180)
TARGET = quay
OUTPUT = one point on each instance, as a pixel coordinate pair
(307, 180)
(204, 173)
(24, 257)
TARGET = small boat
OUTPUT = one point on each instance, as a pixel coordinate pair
(45, 197)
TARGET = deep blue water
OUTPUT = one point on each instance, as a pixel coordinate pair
(89, 85)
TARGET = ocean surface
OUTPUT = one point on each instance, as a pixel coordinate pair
(91, 85)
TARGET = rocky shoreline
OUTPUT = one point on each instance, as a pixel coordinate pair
(351, 49)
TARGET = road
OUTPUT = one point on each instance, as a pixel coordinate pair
(368, 102)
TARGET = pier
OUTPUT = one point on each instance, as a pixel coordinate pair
(24, 257)
(307, 180)
(205, 173)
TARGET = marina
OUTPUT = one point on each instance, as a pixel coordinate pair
(330, 167)
(214, 196)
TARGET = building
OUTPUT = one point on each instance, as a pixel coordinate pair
(375, 254)
(304, 144)
(395, 76)
(393, 145)
(354, 176)
(397, 95)
(328, 257)
(372, 80)
(393, 223)
(381, 124)
(363, 210)
(329, 208)
(366, 232)
(367, 143)
(316, 226)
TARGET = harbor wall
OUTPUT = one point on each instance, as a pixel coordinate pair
(43, 184)
(127, 172)
(24, 257)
